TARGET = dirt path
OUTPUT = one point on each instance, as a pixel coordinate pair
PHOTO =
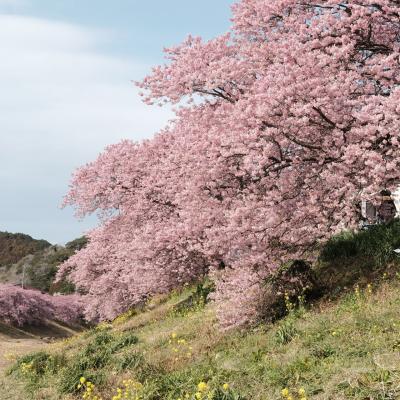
(16, 342)
(9, 350)
(14, 345)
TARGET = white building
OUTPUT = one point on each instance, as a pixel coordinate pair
(396, 198)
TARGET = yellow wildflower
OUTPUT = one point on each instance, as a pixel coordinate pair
(302, 392)
(285, 392)
(202, 387)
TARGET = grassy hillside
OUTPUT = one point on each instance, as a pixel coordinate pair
(343, 350)
(40, 266)
(345, 345)
(14, 246)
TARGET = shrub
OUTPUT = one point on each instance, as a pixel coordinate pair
(62, 286)
(208, 391)
(130, 361)
(352, 257)
(72, 373)
(286, 332)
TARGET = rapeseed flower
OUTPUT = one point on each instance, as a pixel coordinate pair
(202, 387)
(285, 392)
(302, 392)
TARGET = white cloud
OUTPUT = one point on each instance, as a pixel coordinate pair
(61, 102)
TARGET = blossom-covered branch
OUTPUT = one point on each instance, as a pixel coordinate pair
(285, 123)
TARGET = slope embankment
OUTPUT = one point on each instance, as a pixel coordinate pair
(346, 348)
(343, 344)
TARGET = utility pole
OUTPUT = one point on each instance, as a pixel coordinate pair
(23, 276)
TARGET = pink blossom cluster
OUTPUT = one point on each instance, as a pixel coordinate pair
(282, 126)
(21, 307)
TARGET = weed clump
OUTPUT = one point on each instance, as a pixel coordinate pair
(35, 365)
(94, 357)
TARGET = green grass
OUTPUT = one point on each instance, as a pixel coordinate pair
(349, 349)
(373, 247)
(344, 346)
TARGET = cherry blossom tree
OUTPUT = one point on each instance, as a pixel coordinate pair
(21, 307)
(282, 125)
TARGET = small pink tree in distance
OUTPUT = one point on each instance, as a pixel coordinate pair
(283, 124)
(21, 307)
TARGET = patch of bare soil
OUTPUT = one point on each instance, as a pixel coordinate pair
(15, 342)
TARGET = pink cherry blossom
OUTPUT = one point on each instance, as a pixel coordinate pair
(282, 126)
(31, 307)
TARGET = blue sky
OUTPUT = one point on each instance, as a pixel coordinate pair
(143, 27)
(65, 78)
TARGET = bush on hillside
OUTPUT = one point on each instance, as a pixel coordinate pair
(42, 267)
(36, 365)
(77, 244)
(62, 286)
(344, 260)
(196, 300)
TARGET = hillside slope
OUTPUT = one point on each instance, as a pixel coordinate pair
(342, 344)
(347, 349)
(14, 246)
(38, 265)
